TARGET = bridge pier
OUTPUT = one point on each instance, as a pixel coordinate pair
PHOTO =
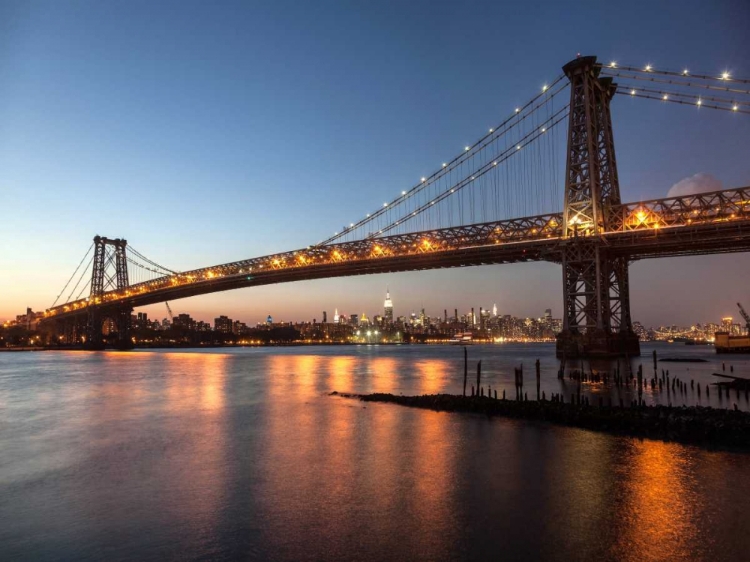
(95, 340)
(597, 344)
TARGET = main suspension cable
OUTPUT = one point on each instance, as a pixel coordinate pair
(667, 99)
(647, 78)
(81, 277)
(633, 89)
(144, 258)
(525, 141)
(493, 135)
(724, 77)
(71, 277)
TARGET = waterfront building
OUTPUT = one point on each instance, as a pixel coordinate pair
(223, 324)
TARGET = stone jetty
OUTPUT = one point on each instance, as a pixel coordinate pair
(707, 427)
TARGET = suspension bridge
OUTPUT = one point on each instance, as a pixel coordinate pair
(561, 182)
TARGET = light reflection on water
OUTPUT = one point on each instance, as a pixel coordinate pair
(241, 453)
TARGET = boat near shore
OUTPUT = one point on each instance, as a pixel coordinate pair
(726, 343)
(465, 338)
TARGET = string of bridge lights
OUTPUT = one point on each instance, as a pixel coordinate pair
(520, 113)
(683, 98)
(699, 103)
(724, 76)
(529, 138)
(680, 83)
(699, 100)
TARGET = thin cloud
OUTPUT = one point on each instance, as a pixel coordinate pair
(699, 183)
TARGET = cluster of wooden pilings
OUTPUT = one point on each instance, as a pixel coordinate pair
(674, 387)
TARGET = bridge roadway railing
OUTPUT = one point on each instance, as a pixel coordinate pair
(703, 223)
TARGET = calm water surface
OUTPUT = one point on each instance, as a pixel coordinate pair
(240, 454)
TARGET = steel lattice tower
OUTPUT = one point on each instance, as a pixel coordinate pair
(101, 282)
(595, 285)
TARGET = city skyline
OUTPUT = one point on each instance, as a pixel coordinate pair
(392, 314)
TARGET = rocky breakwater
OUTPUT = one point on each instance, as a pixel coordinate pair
(707, 427)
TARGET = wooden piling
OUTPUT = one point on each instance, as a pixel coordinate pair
(466, 368)
(479, 373)
(538, 379)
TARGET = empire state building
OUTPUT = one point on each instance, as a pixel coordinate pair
(388, 308)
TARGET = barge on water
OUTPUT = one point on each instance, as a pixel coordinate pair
(725, 343)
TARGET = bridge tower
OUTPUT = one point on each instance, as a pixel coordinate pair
(596, 319)
(110, 271)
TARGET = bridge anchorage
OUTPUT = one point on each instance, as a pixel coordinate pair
(434, 224)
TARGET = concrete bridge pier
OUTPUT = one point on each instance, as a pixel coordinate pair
(121, 316)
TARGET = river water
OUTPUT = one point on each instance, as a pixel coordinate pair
(241, 454)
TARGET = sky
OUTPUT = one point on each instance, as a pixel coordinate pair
(205, 133)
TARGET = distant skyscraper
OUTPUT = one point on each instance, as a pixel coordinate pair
(325, 317)
(269, 320)
(494, 309)
(336, 316)
(388, 308)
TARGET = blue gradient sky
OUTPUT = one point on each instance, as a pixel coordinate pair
(208, 133)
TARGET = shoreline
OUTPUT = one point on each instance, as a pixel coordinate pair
(707, 427)
(279, 344)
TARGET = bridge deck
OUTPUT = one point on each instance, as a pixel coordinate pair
(715, 222)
